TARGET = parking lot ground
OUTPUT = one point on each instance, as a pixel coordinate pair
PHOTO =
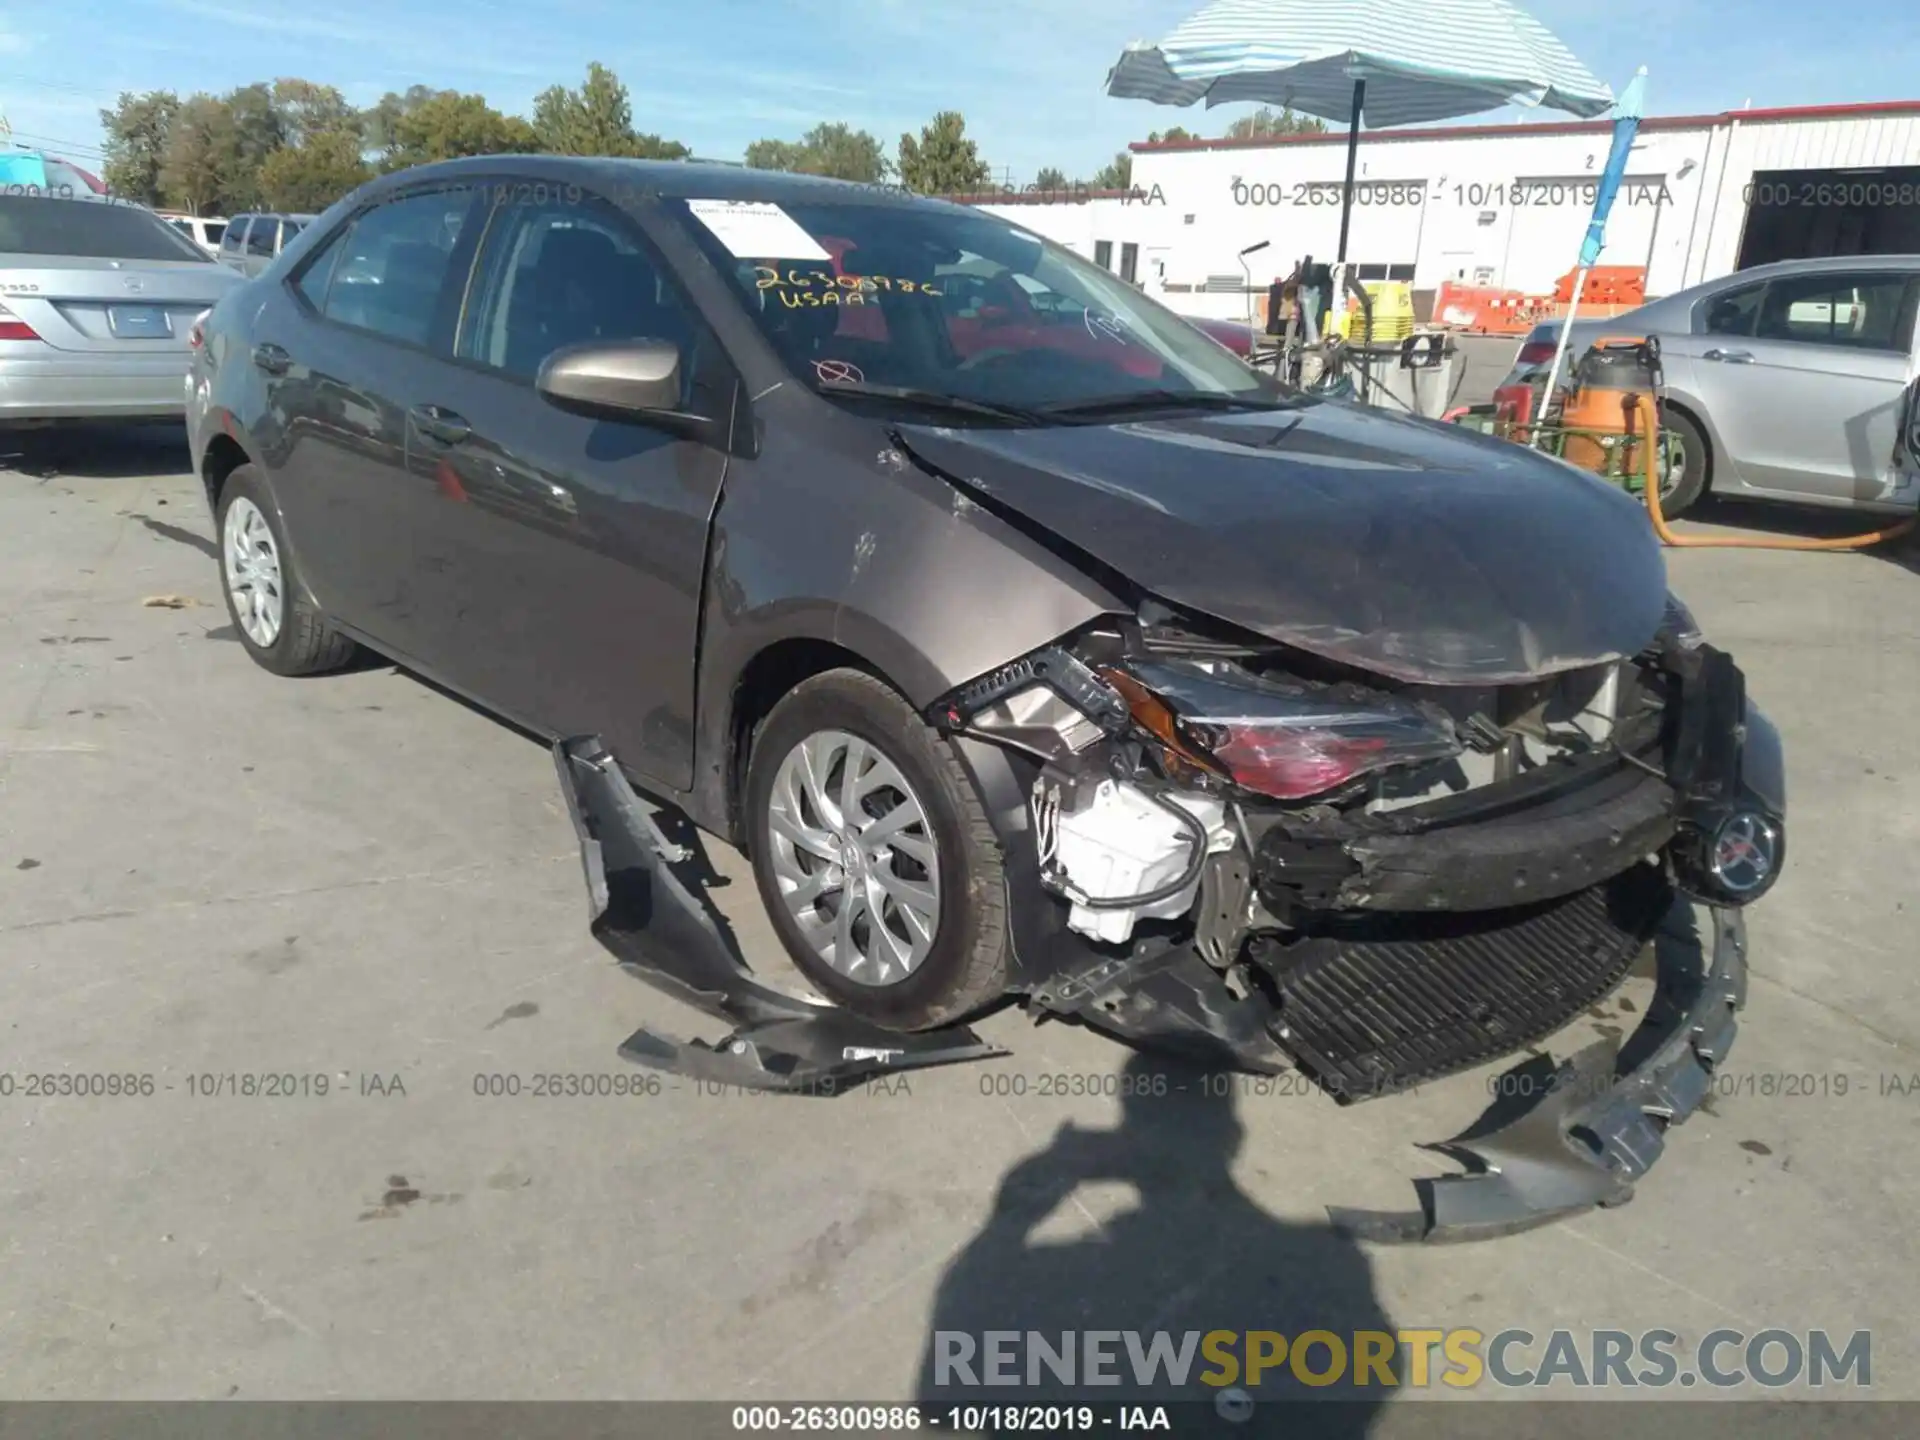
(209, 874)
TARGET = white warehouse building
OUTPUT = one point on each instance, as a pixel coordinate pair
(1500, 205)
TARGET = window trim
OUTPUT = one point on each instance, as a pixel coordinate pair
(439, 345)
(637, 233)
(1903, 309)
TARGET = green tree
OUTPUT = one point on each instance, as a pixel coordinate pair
(448, 125)
(137, 129)
(190, 166)
(1178, 132)
(1116, 174)
(253, 131)
(1267, 121)
(312, 175)
(306, 110)
(378, 120)
(943, 161)
(1050, 179)
(596, 119)
(835, 150)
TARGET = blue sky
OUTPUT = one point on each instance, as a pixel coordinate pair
(717, 74)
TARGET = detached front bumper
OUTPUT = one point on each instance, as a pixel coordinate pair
(1599, 1122)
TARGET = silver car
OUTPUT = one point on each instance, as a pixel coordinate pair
(252, 242)
(1793, 381)
(96, 301)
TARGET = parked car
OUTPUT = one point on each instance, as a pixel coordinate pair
(96, 301)
(1303, 733)
(1238, 336)
(250, 242)
(1791, 381)
(206, 231)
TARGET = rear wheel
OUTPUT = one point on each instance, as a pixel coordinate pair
(281, 628)
(874, 856)
(1683, 464)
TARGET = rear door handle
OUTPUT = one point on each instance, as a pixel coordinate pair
(272, 358)
(438, 423)
(1730, 357)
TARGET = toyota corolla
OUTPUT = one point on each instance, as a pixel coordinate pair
(1041, 653)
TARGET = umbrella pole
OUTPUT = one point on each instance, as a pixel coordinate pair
(1353, 155)
(1559, 354)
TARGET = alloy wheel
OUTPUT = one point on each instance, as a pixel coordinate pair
(252, 560)
(854, 857)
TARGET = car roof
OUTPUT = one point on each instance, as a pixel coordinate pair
(667, 179)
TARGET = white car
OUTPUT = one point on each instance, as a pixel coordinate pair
(204, 230)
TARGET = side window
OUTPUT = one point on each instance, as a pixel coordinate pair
(561, 274)
(260, 237)
(316, 275)
(216, 232)
(1731, 313)
(393, 264)
(236, 234)
(1863, 311)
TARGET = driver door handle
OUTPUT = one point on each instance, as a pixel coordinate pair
(440, 424)
(1730, 357)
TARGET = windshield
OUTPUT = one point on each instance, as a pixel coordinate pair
(945, 302)
(92, 229)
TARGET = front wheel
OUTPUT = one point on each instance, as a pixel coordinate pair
(874, 856)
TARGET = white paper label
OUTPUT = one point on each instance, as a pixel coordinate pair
(756, 230)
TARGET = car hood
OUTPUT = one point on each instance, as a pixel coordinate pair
(1417, 550)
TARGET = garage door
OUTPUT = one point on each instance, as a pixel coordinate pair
(1808, 214)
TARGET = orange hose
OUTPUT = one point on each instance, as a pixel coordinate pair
(1733, 542)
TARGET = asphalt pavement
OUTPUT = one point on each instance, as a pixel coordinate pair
(235, 892)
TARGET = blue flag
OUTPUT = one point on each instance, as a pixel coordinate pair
(1625, 126)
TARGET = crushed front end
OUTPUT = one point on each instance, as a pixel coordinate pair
(1266, 859)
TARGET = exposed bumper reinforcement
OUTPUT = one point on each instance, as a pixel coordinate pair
(660, 931)
(1602, 1119)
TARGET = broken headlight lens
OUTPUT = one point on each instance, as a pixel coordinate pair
(1287, 741)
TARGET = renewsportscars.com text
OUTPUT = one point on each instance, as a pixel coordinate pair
(1460, 1358)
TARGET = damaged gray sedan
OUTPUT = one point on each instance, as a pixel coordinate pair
(1033, 646)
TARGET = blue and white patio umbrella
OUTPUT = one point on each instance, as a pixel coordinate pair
(1372, 62)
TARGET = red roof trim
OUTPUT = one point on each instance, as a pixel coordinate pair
(1337, 134)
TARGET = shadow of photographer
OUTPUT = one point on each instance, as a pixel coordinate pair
(1195, 1254)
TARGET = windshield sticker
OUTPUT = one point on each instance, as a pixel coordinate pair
(1106, 325)
(771, 277)
(751, 228)
(844, 371)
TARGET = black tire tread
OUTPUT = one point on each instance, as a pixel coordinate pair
(1699, 476)
(307, 644)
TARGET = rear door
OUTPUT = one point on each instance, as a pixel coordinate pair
(1716, 354)
(563, 563)
(92, 277)
(344, 348)
(233, 244)
(1815, 406)
(262, 244)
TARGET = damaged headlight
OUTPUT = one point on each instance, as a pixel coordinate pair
(1290, 742)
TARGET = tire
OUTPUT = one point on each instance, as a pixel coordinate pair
(1692, 484)
(299, 641)
(964, 961)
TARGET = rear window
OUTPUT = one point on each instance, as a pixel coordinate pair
(90, 229)
(215, 232)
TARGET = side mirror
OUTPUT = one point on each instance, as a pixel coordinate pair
(630, 380)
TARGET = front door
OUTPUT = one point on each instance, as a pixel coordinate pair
(1811, 403)
(568, 553)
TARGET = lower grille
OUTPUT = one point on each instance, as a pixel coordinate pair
(1398, 999)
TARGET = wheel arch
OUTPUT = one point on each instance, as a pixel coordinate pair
(1696, 415)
